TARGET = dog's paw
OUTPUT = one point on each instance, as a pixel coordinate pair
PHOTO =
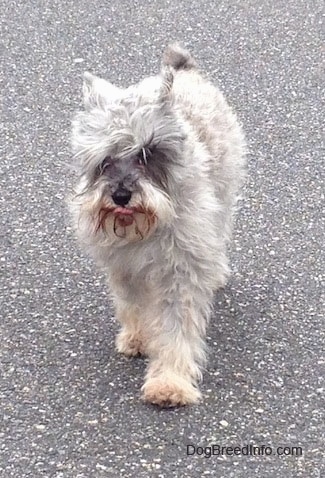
(130, 344)
(170, 393)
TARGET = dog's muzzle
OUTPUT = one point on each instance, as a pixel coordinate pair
(125, 222)
(123, 216)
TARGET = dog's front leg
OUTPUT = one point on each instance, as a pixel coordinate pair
(130, 340)
(177, 351)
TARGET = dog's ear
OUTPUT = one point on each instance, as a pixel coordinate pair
(166, 94)
(98, 93)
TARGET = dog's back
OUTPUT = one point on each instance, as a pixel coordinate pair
(204, 107)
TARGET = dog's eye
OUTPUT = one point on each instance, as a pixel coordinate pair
(144, 155)
(105, 164)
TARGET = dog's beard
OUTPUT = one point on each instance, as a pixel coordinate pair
(99, 219)
(130, 223)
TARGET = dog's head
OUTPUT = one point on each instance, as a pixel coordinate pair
(127, 146)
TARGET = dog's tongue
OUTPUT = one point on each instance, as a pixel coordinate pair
(124, 216)
(123, 210)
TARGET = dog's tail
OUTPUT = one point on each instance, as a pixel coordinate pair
(178, 58)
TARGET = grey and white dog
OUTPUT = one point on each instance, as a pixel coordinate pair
(159, 165)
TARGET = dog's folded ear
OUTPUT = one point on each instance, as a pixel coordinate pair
(98, 93)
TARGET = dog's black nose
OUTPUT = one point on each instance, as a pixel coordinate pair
(121, 196)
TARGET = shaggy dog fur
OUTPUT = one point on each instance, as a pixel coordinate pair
(159, 166)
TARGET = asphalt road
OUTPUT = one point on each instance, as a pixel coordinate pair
(69, 405)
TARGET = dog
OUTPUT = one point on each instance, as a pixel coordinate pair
(159, 166)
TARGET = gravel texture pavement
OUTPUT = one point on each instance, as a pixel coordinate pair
(69, 405)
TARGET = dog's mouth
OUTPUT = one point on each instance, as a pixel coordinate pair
(123, 216)
(133, 224)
